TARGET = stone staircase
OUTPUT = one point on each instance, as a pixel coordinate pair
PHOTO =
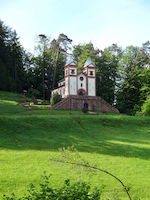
(60, 104)
(115, 110)
(63, 102)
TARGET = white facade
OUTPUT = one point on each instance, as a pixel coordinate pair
(66, 86)
(73, 85)
(91, 88)
(82, 83)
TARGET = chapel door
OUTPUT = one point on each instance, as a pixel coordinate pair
(85, 105)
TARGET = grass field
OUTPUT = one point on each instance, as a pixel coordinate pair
(118, 144)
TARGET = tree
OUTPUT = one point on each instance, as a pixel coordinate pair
(55, 99)
(107, 68)
(42, 40)
(146, 107)
(128, 91)
(11, 60)
(145, 86)
(50, 65)
(17, 55)
(82, 52)
(107, 65)
(143, 55)
(62, 43)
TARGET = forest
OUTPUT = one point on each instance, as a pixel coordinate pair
(122, 75)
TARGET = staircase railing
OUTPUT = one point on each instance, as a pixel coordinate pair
(108, 105)
(56, 106)
(65, 100)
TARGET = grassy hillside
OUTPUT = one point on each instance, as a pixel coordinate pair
(119, 144)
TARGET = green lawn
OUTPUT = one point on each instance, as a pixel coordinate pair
(12, 96)
(118, 144)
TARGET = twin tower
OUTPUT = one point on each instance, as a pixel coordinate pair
(74, 83)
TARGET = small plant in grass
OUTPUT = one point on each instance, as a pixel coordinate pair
(78, 190)
(55, 99)
(104, 112)
(84, 110)
(71, 156)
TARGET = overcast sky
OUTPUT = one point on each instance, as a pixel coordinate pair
(103, 22)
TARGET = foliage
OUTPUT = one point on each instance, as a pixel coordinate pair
(115, 142)
(107, 72)
(84, 110)
(129, 85)
(82, 52)
(146, 107)
(55, 99)
(145, 86)
(122, 75)
(106, 62)
(11, 60)
(71, 156)
(78, 190)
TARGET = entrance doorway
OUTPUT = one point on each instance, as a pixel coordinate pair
(81, 93)
(85, 105)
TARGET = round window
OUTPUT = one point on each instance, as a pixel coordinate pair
(81, 78)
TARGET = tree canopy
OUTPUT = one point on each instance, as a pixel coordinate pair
(122, 75)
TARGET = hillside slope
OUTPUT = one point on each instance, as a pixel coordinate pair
(120, 144)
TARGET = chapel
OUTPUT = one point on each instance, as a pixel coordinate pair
(74, 83)
(78, 89)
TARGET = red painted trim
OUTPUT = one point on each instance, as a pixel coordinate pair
(91, 67)
(76, 84)
(58, 87)
(87, 88)
(84, 92)
(69, 75)
(85, 74)
(82, 73)
(70, 65)
(73, 75)
(95, 82)
(68, 85)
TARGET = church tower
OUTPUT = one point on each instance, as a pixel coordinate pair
(70, 75)
(90, 69)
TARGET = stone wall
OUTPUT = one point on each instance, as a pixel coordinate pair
(74, 102)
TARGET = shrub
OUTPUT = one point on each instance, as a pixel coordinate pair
(146, 106)
(79, 190)
(55, 99)
(84, 110)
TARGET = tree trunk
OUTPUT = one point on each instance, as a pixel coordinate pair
(55, 67)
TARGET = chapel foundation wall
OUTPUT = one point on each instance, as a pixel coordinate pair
(75, 102)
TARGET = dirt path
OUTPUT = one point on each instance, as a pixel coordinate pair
(29, 109)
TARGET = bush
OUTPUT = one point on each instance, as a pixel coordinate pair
(55, 99)
(146, 106)
(79, 190)
(84, 110)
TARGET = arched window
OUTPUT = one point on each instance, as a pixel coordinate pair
(81, 93)
(85, 105)
(91, 73)
(72, 71)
